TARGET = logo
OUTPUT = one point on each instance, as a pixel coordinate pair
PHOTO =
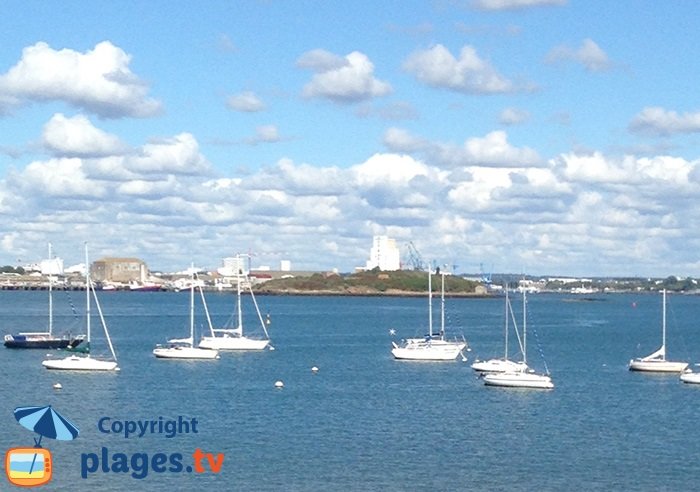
(28, 467)
(31, 467)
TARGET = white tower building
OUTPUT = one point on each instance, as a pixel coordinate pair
(384, 254)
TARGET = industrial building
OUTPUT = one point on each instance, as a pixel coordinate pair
(385, 254)
(122, 270)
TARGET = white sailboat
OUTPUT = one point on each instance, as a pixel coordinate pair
(656, 362)
(691, 377)
(503, 364)
(520, 379)
(85, 362)
(431, 347)
(233, 338)
(183, 348)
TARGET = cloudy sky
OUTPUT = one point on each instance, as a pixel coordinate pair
(535, 136)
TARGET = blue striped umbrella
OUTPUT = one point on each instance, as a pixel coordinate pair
(46, 422)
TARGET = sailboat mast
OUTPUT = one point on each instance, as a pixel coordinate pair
(663, 324)
(50, 294)
(238, 296)
(505, 357)
(442, 305)
(87, 293)
(524, 327)
(430, 303)
(192, 304)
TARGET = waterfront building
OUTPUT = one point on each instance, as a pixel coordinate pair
(119, 270)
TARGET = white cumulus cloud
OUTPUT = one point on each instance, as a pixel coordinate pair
(468, 73)
(98, 81)
(492, 150)
(176, 155)
(661, 122)
(77, 137)
(350, 79)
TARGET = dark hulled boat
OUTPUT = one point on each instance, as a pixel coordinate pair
(41, 341)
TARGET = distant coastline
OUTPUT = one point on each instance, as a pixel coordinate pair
(374, 283)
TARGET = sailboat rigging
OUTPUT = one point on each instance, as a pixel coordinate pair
(504, 364)
(433, 346)
(86, 362)
(520, 378)
(656, 362)
(233, 338)
(183, 348)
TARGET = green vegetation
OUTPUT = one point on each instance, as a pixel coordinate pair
(11, 269)
(368, 283)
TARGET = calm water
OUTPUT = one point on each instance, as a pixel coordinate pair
(366, 421)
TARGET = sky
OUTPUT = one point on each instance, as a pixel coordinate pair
(540, 137)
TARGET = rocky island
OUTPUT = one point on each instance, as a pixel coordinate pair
(371, 283)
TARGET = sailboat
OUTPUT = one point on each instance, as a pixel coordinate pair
(183, 348)
(76, 362)
(503, 364)
(656, 362)
(690, 377)
(519, 378)
(432, 346)
(43, 339)
(233, 338)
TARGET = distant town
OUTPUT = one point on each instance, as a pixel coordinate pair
(132, 274)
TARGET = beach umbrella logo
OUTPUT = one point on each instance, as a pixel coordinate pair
(31, 467)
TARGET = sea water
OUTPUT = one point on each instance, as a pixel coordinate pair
(365, 421)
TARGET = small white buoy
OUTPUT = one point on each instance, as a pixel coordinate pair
(272, 348)
(314, 369)
(279, 384)
(57, 386)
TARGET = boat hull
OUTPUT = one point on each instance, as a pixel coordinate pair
(657, 366)
(21, 342)
(691, 377)
(185, 353)
(499, 365)
(76, 363)
(232, 343)
(519, 380)
(431, 350)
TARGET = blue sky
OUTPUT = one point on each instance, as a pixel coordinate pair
(534, 136)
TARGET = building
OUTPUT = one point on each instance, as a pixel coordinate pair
(119, 270)
(233, 266)
(384, 254)
(53, 266)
